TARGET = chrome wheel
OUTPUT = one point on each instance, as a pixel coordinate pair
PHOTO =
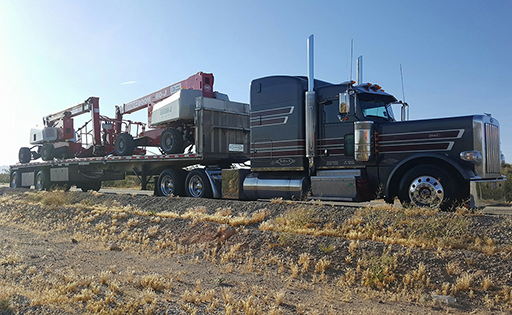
(41, 181)
(426, 191)
(430, 186)
(14, 180)
(167, 185)
(195, 186)
(170, 182)
(198, 185)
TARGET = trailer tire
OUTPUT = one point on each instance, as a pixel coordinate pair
(171, 141)
(24, 155)
(125, 145)
(42, 181)
(170, 182)
(427, 186)
(15, 180)
(47, 152)
(198, 185)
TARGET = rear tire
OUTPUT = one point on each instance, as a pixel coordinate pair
(47, 152)
(427, 186)
(198, 185)
(171, 141)
(42, 182)
(15, 180)
(24, 155)
(170, 182)
(124, 144)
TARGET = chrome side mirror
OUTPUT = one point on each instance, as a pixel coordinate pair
(344, 103)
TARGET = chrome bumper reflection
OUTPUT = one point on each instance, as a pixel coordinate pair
(487, 192)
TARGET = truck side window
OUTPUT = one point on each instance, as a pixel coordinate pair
(331, 113)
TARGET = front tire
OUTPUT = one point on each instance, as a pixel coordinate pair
(427, 186)
(198, 185)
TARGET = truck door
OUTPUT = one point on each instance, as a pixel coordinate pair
(335, 140)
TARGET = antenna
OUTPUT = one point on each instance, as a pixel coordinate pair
(405, 106)
(351, 56)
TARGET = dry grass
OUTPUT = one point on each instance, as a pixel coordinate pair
(453, 268)
(487, 283)
(414, 227)
(223, 216)
(379, 275)
(463, 283)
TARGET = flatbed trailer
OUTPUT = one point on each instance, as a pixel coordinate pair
(222, 138)
(306, 138)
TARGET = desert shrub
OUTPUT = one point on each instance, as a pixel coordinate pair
(5, 177)
(506, 170)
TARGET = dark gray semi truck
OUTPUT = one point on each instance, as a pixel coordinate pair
(306, 138)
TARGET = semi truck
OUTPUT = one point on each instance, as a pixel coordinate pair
(307, 138)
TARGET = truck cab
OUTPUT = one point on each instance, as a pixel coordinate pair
(362, 152)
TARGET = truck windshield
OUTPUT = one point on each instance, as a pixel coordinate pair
(376, 107)
(384, 111)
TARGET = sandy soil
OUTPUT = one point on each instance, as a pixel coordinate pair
(81, 253)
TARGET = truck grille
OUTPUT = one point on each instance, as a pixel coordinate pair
(492, 149)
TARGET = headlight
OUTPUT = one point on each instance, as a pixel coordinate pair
(471, 156)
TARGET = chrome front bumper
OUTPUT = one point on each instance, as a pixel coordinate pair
(487, 192)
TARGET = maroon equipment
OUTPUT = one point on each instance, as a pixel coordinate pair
(59, 139)
(170, 137)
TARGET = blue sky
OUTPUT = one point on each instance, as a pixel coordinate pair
(456, 55)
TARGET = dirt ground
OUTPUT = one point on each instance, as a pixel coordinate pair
(94, 253)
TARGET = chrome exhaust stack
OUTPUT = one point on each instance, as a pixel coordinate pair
(311, 109)
(359, 70)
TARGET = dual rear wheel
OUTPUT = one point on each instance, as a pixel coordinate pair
(174, 182)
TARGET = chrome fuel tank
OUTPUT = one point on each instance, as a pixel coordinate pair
(290, 187)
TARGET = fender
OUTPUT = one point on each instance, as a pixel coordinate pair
(466, 174)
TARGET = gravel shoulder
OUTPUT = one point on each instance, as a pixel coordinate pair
(81, 253)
